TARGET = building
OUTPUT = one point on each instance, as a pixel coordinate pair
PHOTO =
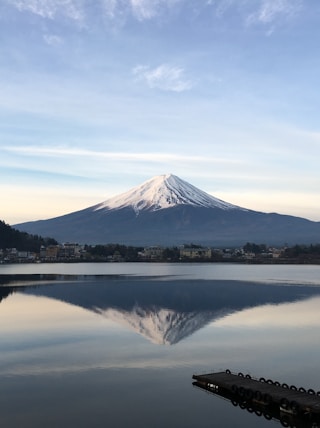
(152, 253)
(195, 253)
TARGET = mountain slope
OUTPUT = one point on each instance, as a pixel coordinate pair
(169, 211)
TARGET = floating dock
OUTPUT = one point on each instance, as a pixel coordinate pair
(266, 397)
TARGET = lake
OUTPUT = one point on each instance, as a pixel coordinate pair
(116, 344)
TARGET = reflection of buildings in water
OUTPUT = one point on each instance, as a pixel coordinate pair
(268, 409)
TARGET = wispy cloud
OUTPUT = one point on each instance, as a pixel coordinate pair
(258, 12)
(141, 9)
(76, 9)
(147, 9)
(165, 77)
(53, 39)
(270, 11)
(263, 12)
(117, 156)
(51, 8)
(220, 6)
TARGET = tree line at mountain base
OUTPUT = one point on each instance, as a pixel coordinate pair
(12, 238)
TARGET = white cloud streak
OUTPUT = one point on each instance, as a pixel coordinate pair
(117, 156)
(165, 77)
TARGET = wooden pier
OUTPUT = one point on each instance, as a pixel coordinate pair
(264, 396)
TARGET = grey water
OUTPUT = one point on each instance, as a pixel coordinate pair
(116, 344)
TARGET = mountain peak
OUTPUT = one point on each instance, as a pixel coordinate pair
(163, 191)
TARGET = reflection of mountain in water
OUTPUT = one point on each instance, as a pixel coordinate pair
(166, 311)
(161, 326)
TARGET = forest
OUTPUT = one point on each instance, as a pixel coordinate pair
(12, 238)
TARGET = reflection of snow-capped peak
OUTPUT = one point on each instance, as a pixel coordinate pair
(160, 326)
(163, 191)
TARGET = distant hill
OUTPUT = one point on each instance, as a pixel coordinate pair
(167, 210)
(12, 238)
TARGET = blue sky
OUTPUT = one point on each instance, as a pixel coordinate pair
(98, 96)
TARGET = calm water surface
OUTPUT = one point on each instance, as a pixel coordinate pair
(96, 345)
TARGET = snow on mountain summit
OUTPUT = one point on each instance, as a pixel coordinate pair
(163, 191)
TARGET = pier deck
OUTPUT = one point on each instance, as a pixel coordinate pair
(263, 391)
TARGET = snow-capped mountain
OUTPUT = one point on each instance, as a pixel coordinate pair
(164, 191)
(167, 210)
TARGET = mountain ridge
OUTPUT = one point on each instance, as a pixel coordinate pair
(168, 211)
